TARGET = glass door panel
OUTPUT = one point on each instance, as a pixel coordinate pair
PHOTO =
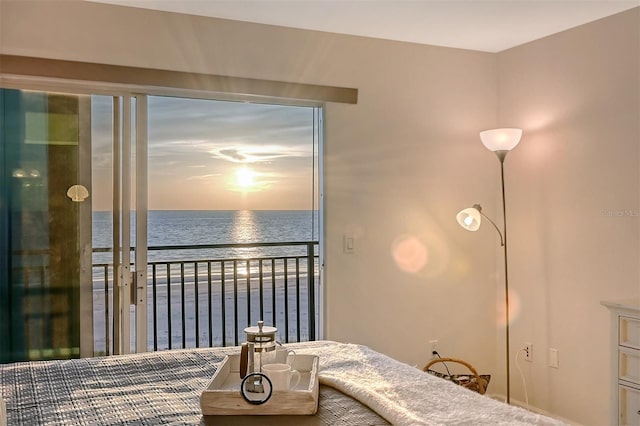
(45, 243)
(233, 190)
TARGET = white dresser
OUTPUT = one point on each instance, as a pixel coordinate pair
(625, 361)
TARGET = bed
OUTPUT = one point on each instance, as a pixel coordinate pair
(358, 386)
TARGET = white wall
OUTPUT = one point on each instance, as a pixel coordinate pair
(576, 94)
(396, 163)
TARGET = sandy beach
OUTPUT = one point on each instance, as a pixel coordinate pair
(210, 306)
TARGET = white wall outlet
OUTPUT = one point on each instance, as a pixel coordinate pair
(528, 351)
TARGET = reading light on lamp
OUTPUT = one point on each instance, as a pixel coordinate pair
(470, 218)
(500, 141)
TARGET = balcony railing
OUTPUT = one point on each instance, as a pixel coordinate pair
(197, 298)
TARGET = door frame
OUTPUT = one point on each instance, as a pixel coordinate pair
(130, 285)
(85, 229)
(142, 214)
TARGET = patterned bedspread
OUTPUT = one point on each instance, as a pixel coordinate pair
(164, 388)
(145, 389)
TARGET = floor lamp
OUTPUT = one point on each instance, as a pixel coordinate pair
(500, 141)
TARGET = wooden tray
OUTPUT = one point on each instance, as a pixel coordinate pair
(222, 394)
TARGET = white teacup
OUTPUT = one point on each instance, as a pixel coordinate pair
(281, 376)
(279, 356)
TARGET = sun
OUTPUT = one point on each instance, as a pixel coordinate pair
(245, 177)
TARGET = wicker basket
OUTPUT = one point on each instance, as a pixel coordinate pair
(474, 381)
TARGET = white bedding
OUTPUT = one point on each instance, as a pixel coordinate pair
(402, 397)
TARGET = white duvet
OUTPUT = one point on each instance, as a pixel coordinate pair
(396, 392)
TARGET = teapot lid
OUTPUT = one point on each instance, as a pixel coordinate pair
(260, 330)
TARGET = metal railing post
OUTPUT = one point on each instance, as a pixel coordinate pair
(311, 289)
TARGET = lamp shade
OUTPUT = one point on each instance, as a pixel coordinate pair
(501, 139)
(469, 219)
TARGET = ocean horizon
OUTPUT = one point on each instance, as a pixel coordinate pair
(210, 227)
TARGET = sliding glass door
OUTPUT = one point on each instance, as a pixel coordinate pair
(234, 194)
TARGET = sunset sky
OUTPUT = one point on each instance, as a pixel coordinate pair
(215, 155)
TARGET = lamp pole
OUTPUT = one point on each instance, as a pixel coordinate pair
(501, 156)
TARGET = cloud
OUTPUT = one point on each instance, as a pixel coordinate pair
(258, 153)
(204, 177)
(172, 119)
(232, 154)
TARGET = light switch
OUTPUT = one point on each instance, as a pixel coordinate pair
(349, 243)
(553, 358)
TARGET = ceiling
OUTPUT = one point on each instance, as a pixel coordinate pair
(489, 26)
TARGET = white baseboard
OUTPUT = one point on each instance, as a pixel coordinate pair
(536, 410)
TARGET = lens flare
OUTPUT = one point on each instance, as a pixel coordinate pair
(409, 253)
(514, 309)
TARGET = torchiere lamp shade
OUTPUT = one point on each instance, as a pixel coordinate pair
(501, 139)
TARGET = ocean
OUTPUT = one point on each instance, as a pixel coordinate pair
(207, 227)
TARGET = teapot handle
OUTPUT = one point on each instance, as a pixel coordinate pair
(244, 360)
